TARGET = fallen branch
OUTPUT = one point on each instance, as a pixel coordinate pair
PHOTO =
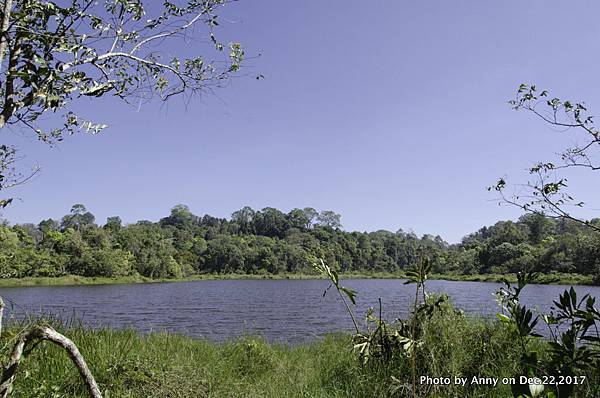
(35, 335)
(1, 314)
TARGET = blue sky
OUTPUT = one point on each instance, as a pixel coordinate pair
(392, 113)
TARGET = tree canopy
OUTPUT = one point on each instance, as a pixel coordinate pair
(53, 53)
(269, 241)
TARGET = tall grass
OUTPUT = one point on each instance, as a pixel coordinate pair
(127, 364)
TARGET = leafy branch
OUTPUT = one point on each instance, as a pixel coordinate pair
(333, 276)
(545, 192)
(53, 53)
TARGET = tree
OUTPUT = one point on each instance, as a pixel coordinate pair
(53, 53)
(297, 219)
(225, 254)
(328, 218)
(78, 218)
(545, 192)
(539, 226)
(10, 264)
(311, 215)
(270, 222)
(181, 217)
(152, 250)
(113, 224)
(48, 225)
(244, 218)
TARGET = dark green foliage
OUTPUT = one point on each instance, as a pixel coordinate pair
(269, 241)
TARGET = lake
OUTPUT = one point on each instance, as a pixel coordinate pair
(289, 311)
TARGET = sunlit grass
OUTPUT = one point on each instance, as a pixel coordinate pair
(127, 364)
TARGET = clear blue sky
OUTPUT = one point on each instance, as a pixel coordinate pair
(392, 113)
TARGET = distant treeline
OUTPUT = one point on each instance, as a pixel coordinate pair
(270, 241)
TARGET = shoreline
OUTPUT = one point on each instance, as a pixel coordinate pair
(75, 280)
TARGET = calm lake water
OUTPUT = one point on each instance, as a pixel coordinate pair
(290, 311)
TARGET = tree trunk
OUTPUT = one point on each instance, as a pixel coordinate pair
(6, 11)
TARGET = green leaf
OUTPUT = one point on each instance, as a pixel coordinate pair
(503, 318)
(350, 293)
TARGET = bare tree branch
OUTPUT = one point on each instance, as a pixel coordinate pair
(35, 335)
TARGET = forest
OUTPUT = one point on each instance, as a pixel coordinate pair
(385, 91)
(269, 241)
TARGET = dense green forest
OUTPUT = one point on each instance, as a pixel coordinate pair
(271, 242)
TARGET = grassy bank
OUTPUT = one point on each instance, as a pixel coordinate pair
(127, 364)
(544, 279)
(163, 365)
(68, 280)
